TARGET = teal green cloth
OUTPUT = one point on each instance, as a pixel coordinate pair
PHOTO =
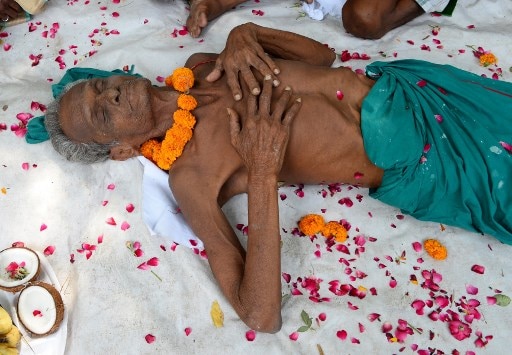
(36, 130)
(442, 136)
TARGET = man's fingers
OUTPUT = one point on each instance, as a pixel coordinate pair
(234, 85)
(266, 95)
(291, 113)
(252, 106)
(250, 80)
(217, 71)
(234, 125)
(270, 63)
(281, 104)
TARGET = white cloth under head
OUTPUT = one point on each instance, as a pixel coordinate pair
(160, 209)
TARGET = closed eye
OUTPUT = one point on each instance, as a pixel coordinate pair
(105, 116)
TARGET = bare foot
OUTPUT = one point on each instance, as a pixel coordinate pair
(202, 11)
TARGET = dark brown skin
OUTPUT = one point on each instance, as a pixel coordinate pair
(263, 140)
(9, 9)
(369, 19)
(202, 11)
(373, 19)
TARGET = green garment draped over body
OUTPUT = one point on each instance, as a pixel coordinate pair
(443, 137)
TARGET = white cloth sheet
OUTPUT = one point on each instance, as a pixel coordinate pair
(96, 210)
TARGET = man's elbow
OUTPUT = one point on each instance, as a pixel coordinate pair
(264, 323)
(360, 23)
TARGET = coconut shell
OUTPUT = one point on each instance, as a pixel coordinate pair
(59, 307)
(34, 277)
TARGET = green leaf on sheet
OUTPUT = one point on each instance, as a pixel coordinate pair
(308, 321)
(303, 329)
(306, 318)
(502, 300)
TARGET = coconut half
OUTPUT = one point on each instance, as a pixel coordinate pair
(40, 308)
(18, 265)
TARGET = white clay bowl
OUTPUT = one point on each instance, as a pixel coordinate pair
(28, 270)
(40, 308)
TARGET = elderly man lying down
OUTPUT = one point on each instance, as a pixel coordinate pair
(430, 139)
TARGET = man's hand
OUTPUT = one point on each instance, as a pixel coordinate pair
(9, 9)
(262, 140)
(242, 52)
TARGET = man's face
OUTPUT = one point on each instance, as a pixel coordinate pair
(105, 110)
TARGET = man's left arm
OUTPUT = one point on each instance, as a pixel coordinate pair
(247, 47)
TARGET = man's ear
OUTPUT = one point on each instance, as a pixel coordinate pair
(123, 151)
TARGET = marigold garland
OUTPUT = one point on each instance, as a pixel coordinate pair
(164, 153)
(435, 249)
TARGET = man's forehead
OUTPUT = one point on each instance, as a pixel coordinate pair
(74, 111)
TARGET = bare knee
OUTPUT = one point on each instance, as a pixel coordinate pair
(363, 22)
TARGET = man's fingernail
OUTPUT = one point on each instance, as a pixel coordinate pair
(238, 97)
(268, 77)
(255, 91)
(276, 82)
(287, 88)
(276, 71)
(299, 99)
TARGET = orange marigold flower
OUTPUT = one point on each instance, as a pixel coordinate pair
(435, 249)
(487, 59)
(168, 81)
(184, 118)
(150, 148)
(311, 224)
(187, 102)
(182, 79)
(336, 230)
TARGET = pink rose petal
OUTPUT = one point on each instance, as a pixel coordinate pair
(125, 225)
(471, 290)
(130, 208)
(479, 269)
(149, 338)
(49, 250)
(43, 227)
(417, 246)
(188, 330)
(111, 221)
(294, 336)
(341, 334)
(153, 261)
(507, 146)
(250, 335)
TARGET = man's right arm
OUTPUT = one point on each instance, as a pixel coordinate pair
(251, 46)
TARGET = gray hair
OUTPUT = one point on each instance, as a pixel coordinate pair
(73, 151)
